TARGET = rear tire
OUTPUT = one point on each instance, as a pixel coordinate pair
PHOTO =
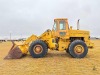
(78, 49)
(38, 49)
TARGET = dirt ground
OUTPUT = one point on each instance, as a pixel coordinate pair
(54, 63)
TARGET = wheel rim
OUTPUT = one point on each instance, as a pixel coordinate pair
(37, 49)
(78, 49)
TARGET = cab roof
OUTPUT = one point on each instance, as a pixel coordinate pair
(60, 19)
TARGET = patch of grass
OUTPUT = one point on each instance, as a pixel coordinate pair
(54, 63)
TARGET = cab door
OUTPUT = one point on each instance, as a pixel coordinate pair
(63, 28)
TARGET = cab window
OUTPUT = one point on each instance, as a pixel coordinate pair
(55, 26)
(62, 25)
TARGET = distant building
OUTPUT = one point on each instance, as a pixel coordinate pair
(94, 38)
(20, 39)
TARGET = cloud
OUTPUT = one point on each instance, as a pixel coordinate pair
(35, 16)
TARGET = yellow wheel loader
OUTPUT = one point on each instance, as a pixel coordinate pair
(61, 37)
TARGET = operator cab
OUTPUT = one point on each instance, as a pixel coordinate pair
(60, 27)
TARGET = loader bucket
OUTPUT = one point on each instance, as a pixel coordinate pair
(14, 53)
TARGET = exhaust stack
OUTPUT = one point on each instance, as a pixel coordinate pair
(78, 24)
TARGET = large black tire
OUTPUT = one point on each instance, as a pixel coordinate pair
(67, 50)
(73, 49)
(43, 48)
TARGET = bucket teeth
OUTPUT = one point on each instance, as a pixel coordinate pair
(14, 53)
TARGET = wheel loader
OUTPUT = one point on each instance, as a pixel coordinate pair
(60, 38)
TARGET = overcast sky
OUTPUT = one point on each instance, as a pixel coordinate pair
(26, 17)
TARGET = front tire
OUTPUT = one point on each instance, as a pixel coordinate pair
(38, 49)
(78, 49)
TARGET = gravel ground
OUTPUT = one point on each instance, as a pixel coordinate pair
(54, 63)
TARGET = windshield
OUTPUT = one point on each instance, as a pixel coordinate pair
(55, 26)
